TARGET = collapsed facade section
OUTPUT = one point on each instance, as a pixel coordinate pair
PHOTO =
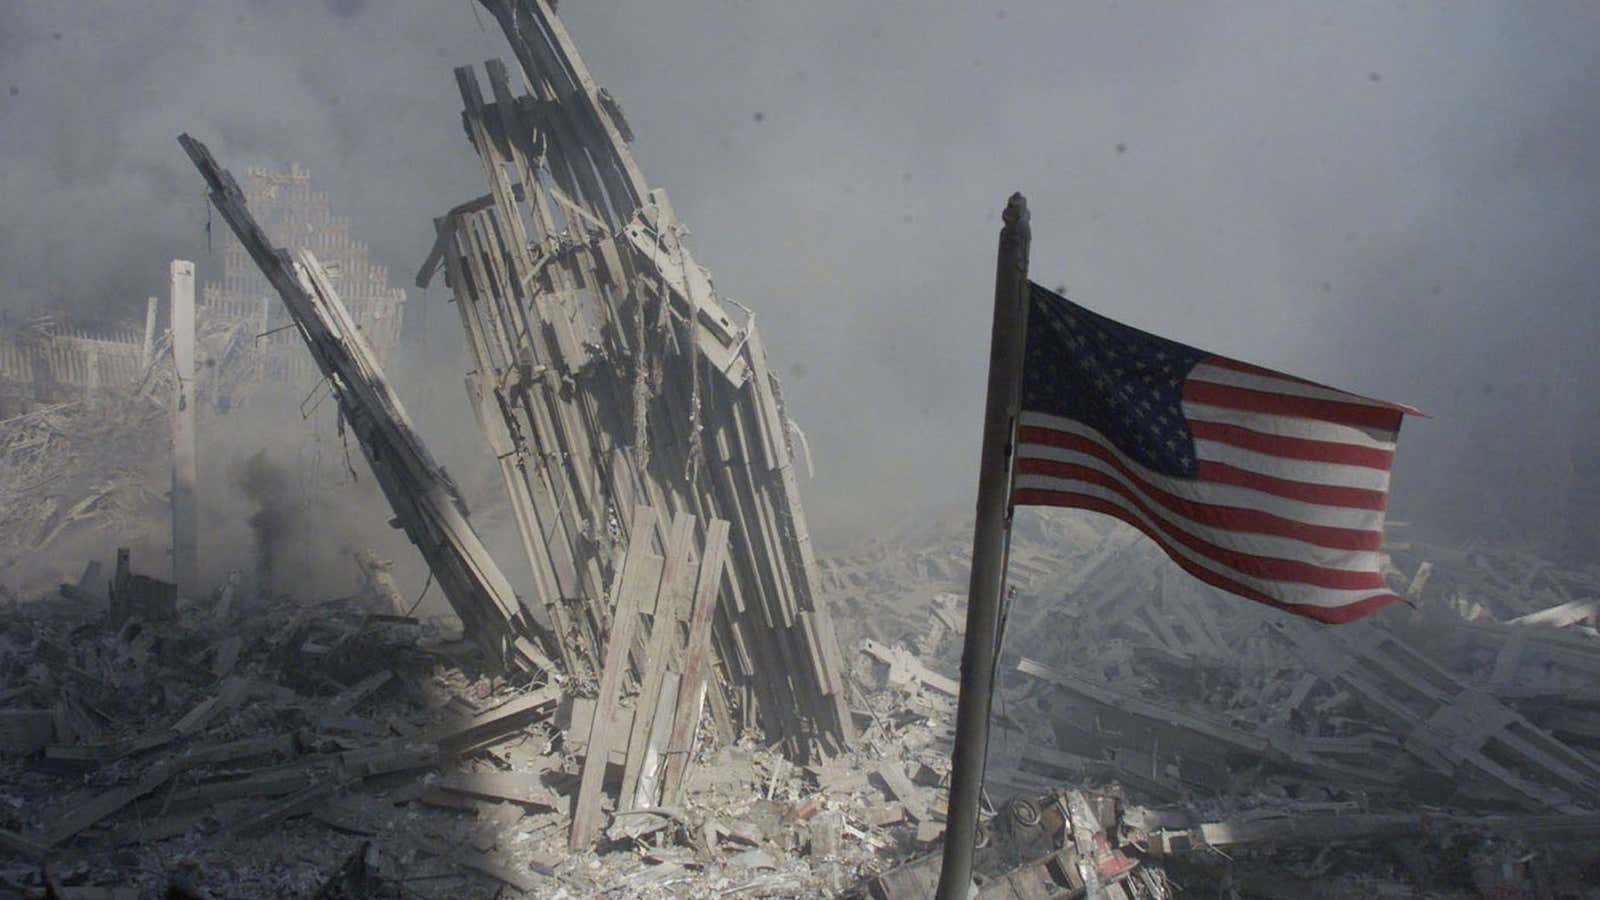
(608, 374)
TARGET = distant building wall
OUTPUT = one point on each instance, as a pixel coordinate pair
(297, 216)
(42, 362)
(50, 365)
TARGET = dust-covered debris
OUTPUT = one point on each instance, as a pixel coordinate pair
(1241, 737)
(287, 748)
(667, 712)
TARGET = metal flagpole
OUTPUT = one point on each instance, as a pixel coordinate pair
(1006, 345)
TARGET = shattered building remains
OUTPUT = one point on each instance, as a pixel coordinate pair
(609, 373)
(45, 361)
(626, 408)
(669, 707)
(83, 413)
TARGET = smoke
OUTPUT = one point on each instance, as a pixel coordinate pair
(1394, 199)
(94, 94)
(273, 521)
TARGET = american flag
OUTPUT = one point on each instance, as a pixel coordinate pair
(1259, 483)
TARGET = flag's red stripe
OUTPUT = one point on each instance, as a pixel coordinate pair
(1249, 400)
(1222, 362)
(1305, 491)
(1215, 515)
(1324, 494)
(1292, 447)
(1334, 615)
(1269, 567)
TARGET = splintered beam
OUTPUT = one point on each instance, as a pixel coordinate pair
(424, 500)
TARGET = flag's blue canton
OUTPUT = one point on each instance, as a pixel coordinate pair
(1123, 382)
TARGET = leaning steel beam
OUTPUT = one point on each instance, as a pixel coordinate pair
(425, 502)
(608, 373)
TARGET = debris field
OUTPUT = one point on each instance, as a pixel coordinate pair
(684, 700)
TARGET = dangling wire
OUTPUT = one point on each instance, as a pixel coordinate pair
(344, 439)
(308, 413)
(427, 584)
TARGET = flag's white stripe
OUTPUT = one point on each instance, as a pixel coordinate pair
(1251, 543)
(1205, 492)
(1330, 474)
(1292, 426)
(1233, 378)
(1283, 591)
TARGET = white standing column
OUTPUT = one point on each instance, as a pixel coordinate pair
(185, 519)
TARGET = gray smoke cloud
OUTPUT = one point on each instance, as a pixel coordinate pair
(1399, 199)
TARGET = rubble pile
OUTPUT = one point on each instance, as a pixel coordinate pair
(238, 747)
(1461, 719)
(1146, 740)
(241, 746)
(235, 747)
(91, 464)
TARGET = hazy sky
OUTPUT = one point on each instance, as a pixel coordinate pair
(1399, 199)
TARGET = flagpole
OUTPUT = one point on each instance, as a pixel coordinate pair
(978, 654)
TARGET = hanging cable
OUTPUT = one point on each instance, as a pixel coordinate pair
(418, 602)
(307, 399)
(344, 439)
